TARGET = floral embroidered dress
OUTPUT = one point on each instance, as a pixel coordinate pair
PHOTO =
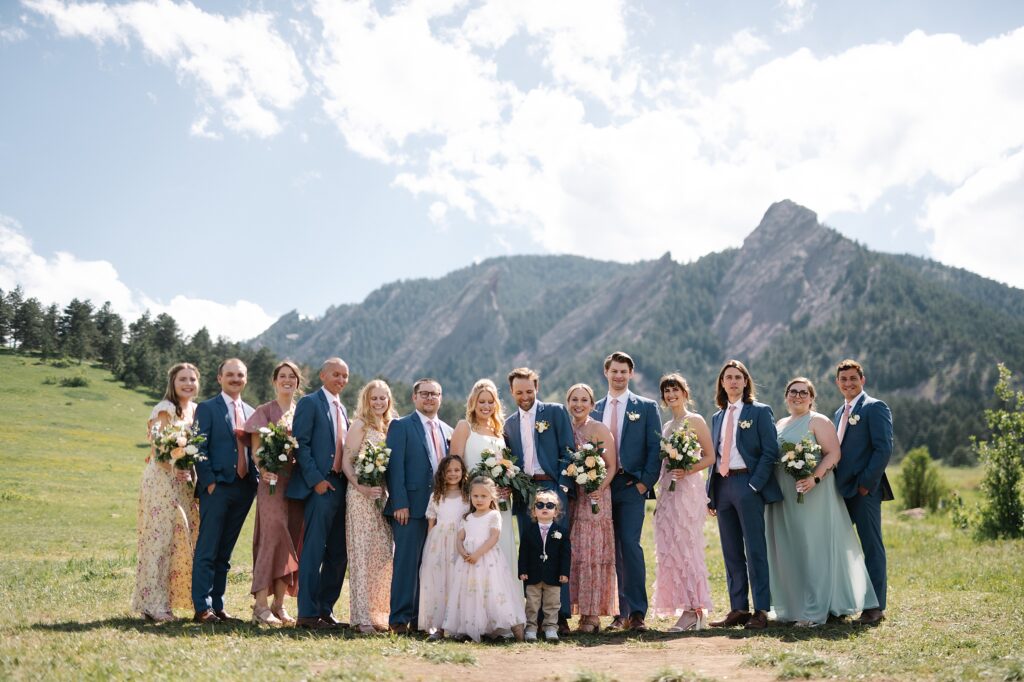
(369, 544)
(439, 557)
(593, 586)
(168, 525)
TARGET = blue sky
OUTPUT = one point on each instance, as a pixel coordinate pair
(230, 161)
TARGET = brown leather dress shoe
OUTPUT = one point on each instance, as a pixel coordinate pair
(312, 624)
(207, 617)
(759, 621)
(563, 626)
(735, 617)
(332, 621)
(227, 618)
(401, 629)
(617, 624)
(636, 623)
(870, 617)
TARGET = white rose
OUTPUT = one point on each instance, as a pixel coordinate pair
(381, 469)
(799, 447)
(581, 479)
(495, 471)
(191, 450)
(491, 462)
(368, 468)
(588, 446)
(265, 430)
(282, 457)
(182, 441)
(287, 446)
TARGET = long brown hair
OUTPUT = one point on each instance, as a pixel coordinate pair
(169, 394)
(749, 391)
(439, 478)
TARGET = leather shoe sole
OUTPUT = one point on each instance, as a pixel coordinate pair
(732, 618)
(312, 624)
(207, 617)
(759, 621)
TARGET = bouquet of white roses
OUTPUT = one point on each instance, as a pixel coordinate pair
(501, 468)
(800, 460)
(277, 448)
(371, 466)
(586, 466)
(680, 450)
(178, 443)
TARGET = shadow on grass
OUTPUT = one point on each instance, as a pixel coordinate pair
(186, 628)
(780, 632)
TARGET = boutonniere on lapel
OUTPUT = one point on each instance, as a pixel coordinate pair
(854, 418)
(542, 427)
(633, 416)
(557, 535)
(746, 424)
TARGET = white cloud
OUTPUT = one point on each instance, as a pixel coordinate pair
(734, 57)
(240, 62)
(12, 34)
(795, 15)
(64, 277)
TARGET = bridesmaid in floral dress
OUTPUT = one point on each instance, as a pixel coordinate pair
(681, 588)
(593, 587)
(367, 534)
(278, 530)
(168, 516)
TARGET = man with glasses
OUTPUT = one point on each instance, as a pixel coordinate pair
(418, 442)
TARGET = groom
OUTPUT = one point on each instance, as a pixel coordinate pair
(540, 437)
(865, 436)
(418, 442)
(320, 425)
(636, 425)
(226, 486)
(740, 485)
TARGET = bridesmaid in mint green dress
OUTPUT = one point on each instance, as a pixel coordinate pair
(816, 565)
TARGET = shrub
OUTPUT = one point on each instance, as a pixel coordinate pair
(74, 382)
(50, 381)
(921, 484)
(1001, 514)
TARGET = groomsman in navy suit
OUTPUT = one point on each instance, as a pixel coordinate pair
(319, 426)
(540, 437)
(741, 483)
(418, 442)
(636, 424)
(226, 487)
(864, 426)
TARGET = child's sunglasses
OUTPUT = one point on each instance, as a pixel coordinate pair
(545, 505)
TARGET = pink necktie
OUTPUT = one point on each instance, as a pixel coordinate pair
(242, 466)
(615, 421)
(544, 534)
(438, 450)
(844, 422)
(339, 447)
(730, 426)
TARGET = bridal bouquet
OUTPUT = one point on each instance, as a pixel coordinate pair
(178, 443)
(680, 450)
(586, 467)
(501, 468)
(277, 447)
(800, 459)
(371, 466)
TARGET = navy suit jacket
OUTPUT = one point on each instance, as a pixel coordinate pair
(410, 474)
(559, 552)
(758, 445)
(313, 428)
(221, 447)
(640, 449)
(552, 447)
(866, 448)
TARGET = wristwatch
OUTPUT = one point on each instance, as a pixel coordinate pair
(817, 480)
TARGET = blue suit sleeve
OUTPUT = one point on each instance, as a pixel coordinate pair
(879, 423)
(652, 445)
(204, 470)
(769, 440)
(396, 468)
(302, 429)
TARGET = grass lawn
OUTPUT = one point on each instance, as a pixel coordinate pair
(70, 464)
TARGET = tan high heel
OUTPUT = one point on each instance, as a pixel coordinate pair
(261, 615)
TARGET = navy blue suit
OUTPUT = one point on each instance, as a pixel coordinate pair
(324, 557)
(410, 482)
(552, 448)
(866, 448)
(739, 500)
(639, 462)
(532, 549)
(222, 513)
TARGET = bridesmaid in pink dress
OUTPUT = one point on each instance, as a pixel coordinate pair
(593, 587)
(681, 588)
(278, 530)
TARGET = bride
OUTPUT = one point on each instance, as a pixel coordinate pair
(481, 431)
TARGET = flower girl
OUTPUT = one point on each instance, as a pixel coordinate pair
(448, 503)
(483, 599)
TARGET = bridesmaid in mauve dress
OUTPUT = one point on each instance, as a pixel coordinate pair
(368, 538)
(593, 586)
(168, 516)
(681, 588)
(278, 531)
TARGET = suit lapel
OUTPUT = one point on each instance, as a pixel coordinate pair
(417, 425)
(598, 411)
(716, 430)
(537, 420)
(630, 404)
(515, 438)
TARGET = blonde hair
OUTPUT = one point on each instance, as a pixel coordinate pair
(365, 412)
(491, 488)
(547, 494)
(497, 419)
(586, 389)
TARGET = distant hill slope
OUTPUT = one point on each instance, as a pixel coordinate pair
(796, 297)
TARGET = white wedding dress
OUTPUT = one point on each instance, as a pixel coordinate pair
(475, 444)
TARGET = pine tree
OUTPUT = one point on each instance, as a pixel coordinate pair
(27, 327)
(49, 345)
(6, 317)
(110, 327)
(77, 331)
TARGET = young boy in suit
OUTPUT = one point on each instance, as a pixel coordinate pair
(544, 558)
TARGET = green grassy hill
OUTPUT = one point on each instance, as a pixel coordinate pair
(70, 465)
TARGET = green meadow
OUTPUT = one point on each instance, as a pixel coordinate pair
(70, 463)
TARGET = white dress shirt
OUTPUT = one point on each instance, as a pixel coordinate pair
(332, 400)
(527, 423)
(230, 402)
(606, 417)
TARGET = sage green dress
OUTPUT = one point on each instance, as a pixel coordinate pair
(815, 561)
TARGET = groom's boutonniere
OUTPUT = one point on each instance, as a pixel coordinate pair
(746, 424)
(557, 535)
(854, 418)
(633, 416)
(542, 427)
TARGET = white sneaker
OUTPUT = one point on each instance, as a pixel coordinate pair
(551, 634)
(531, 635)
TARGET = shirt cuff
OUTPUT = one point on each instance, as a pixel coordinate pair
(752, 487)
